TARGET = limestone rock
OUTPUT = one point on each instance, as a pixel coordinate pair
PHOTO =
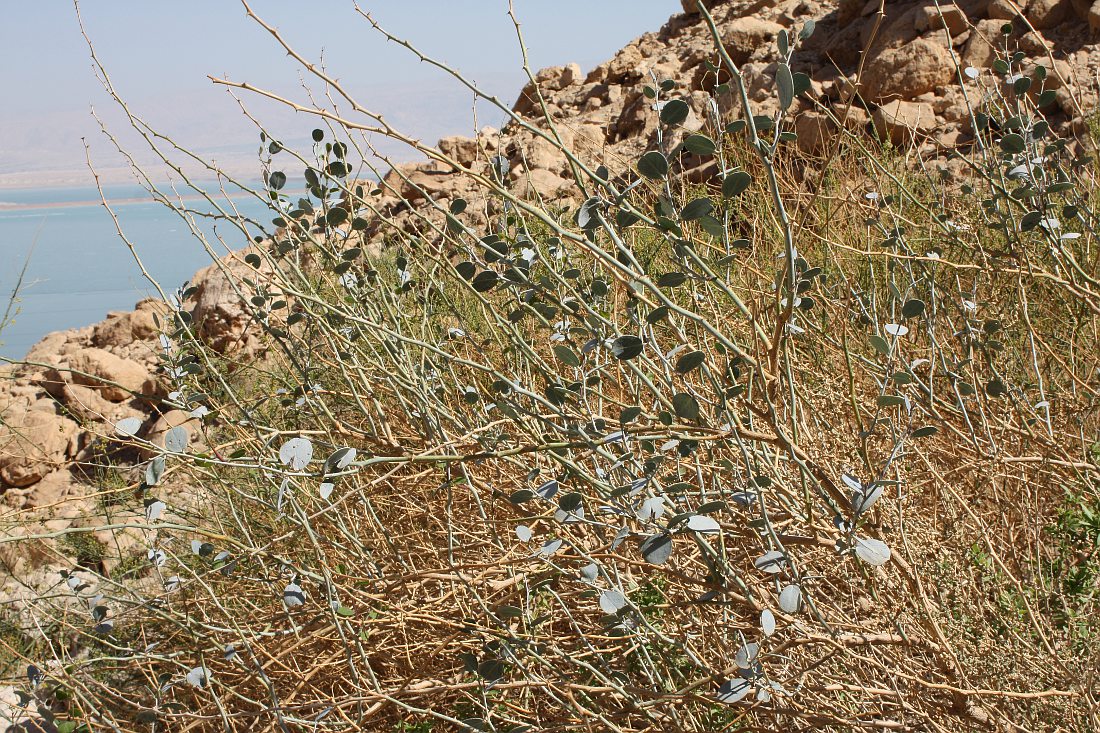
(86, 403)
(744, 36)
(113, 331)
(902, 122)
(1081, 8)
(908, 71)
(1003, 10)
(143, 321)
(117, 379)
(557, 78)
(48, 491)
(931, 18)
(984, 48)
(1045, 14)
(47, 349)
(463, 150)
(218, 314)
(539, 183)
(417, 181)
(33, 444)
(1094, 16)
(691, 7)
(815, 130)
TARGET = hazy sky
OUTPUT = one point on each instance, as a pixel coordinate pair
(159, 53)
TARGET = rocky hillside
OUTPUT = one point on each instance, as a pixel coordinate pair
(922, 62)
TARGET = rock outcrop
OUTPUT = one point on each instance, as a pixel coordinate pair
(906, 77)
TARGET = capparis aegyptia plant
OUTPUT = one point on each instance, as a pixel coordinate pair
(654, 454)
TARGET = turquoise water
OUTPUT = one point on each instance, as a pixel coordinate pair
(79, 268)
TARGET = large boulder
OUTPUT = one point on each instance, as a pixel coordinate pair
(742, 37)
(908, 71)
(983, 48)
(902, 122)
(219, 314)
(462, 150)
(33, 443)
(934, 18)
(1045, 14)
(117, 379)
(415, 182)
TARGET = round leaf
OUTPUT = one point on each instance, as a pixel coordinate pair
(686, 406)
(657, 549)
(700, 145)
(626, 347)
(296, 453)
(176, 439)
(790, 599)
(703, 524)
(872, 551)
(674, 112)
(293, 595)
(734, 184)
(653, 165)
(612, 601)
(128, 427)
(767, 622)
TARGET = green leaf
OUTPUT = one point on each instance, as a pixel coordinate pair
(801, 83)
(626, 347)
(889, 400)
(689, 361)
(1030, 220)
(345, 612)
(672, 280)
(785, 85)
(712, 226)
(566, 355)
(735, 183)
(686, 406)
(674, 112)
(912, 308)
(700, 145)
(657, 548)
(657, 315)
(484, 281)
(653, 165)
(697, 209)
(926, 431)
(880, 345)
(1012, 143)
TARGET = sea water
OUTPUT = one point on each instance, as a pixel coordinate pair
(79, 268)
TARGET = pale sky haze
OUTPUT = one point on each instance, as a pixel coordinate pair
(159, 53)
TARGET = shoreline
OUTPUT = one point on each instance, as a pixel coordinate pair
(12, 206)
